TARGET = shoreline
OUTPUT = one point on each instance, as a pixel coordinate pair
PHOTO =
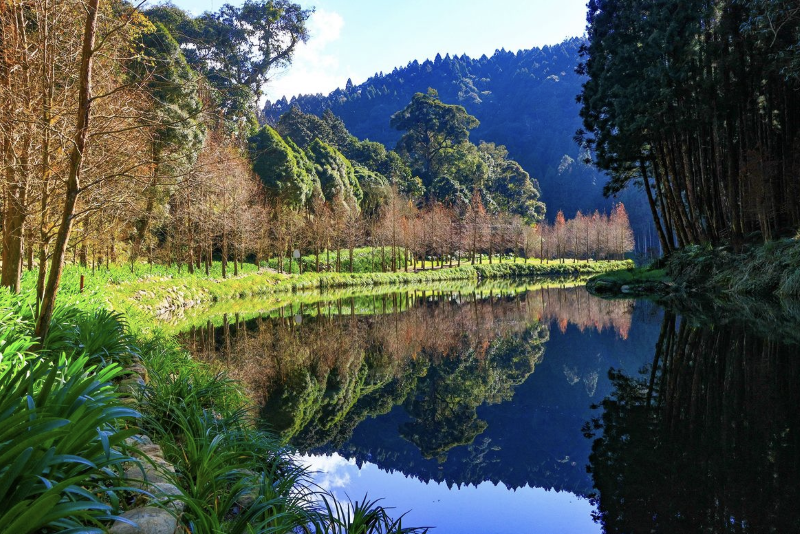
(771, 269)
(160, 296)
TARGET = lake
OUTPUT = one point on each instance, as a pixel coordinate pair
(508, 408)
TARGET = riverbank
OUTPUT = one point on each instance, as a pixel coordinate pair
(143, 434)
(770, 269)
(161, 294)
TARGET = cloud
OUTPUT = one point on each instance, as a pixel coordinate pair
(329, 472)
(315, 68)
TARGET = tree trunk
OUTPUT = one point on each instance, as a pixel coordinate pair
(75, 163)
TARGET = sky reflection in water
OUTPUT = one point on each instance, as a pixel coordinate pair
(485, 509)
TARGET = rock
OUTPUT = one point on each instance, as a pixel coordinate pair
(626, 289)
(131, 386)
(143, 475)
(148, 520)
(137, 369)
(246, 499)
(151, 451)
(166, 493)
(602, 286)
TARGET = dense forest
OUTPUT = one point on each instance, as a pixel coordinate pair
(698, 102)
(524, 101)
(117, 124)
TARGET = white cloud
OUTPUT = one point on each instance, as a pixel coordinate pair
(314, 69)
(329, 472)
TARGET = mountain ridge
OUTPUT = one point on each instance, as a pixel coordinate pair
(525, 100)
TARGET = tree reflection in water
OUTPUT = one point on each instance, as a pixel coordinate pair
(706, 439)
(439, 355)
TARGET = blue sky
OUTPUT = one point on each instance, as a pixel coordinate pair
(358, 38)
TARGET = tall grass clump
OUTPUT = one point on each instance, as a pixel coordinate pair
(236, 478)
(61, 430)
(62, 423)
(365, 516)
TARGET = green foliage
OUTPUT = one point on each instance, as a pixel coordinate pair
(362, 517)
(660, 83)
(375, 188)
(60, 434)
(759, 270)
(60, 438)
(524, 101)
(175, 103)
(509, 186)
(237, 47)
(100, 335)
(336, 176)
(235, 479)
(305, 128)
(433, 131)
(365, 260)
(284, 172)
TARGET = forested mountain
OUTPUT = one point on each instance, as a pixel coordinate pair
(523, 100)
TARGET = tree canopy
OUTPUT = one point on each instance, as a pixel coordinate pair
(281, 169)
(434, 130)
(237, 48)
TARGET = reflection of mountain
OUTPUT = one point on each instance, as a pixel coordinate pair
(442, 389)
(707, 439)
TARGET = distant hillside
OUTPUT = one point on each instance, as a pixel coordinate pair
(524, 100)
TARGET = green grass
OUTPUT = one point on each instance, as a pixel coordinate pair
(770, 268)
(62, 425)
(374, 260)
(633, 281)
(365, 260)
(153, 296)
(354, 300)
(630, 276)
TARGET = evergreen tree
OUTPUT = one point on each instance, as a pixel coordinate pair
(283, 172)
(433, 130)
(336, 176)
(174, 107)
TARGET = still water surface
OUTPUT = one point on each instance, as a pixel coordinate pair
(527, 410)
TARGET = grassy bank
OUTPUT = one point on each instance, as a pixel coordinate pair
(158, 294)
(770, 269)
(65, 427)
(631, 282)
(347, 301)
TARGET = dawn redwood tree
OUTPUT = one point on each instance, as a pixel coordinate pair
(620, 229)
(75, 166)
